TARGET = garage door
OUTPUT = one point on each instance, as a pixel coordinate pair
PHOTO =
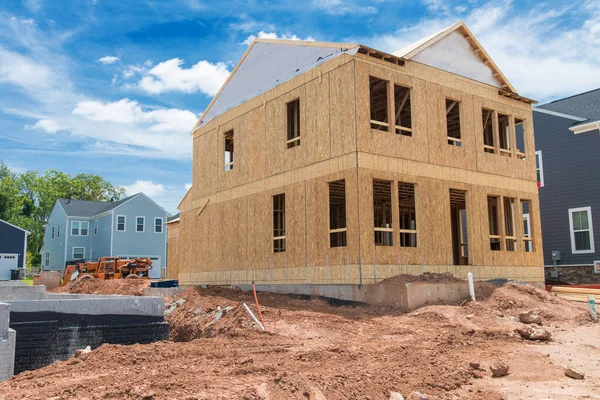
(7, 262)
(156, 264)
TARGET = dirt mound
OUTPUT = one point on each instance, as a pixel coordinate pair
(90, 285)
(320, 351)
(426, 277)
(514, 299)
(194, 315)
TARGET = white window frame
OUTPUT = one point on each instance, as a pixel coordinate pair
(591, 230)
(162, 225)
(538, 154)
(527, 222)
(81, 228)
(143, 224)
(47, 263)
(124, 223)
(73, 253)
(95, 227)
(78, 228)
(53, 233)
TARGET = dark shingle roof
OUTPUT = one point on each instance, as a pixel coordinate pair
(173, 217)
(86, 208)
(584, 105)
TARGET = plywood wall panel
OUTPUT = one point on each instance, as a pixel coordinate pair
(342, 109)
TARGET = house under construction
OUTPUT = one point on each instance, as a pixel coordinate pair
(338, 163)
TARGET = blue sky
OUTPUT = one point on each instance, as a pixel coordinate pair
(114, 87)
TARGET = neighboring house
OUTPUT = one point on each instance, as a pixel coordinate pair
(567, 141)
(13, 248)
(338, 163)
(131, 227)
(173, 226)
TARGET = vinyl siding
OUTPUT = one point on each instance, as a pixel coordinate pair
(147, 243)
(571, 164)
(12, 241)
(56, 247)
(100, 242)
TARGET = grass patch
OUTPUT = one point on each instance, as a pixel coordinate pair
(28, 281)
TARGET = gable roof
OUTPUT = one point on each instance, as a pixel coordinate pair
(585, 105)
(87, 208)
(412, 51)
(14, 226)
(268, 63)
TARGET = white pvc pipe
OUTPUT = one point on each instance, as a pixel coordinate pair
(592, 303)
(471, 286)
(256, 321)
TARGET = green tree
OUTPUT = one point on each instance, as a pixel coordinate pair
(27, 199)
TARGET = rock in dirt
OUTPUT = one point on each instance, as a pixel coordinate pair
(396, 396)
(573, 373)
(530, 318)
(417, 396)
(530, 333)
(80, 353)
(499, 370)
(475, 365)
(147, 396)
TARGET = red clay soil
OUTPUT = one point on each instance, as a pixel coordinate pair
(325, 352)
(91, 285)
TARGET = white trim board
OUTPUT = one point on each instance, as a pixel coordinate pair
(557, 114)
(591, 126)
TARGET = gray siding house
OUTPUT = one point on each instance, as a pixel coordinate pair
(13, 248)
(89, 230)
(567, 140)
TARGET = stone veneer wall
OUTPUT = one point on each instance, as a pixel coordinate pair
(575, 275)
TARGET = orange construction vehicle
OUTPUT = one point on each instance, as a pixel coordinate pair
(109, 268)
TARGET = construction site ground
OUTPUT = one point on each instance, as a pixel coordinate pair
(314, 350)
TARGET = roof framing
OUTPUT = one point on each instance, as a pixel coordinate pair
(477, 48)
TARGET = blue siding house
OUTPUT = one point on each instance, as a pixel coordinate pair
(13, 248)
(89, 230)
(567, 140)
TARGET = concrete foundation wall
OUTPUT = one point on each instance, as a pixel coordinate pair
(52, 326)
(406, 297)
(7, 344)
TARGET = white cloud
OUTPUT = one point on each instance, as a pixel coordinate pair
(247, 24)
(188, 186)
(543, 57)
(23, 71)
(108, 59)
(169, 76)
(273, 35)
(341, 7)
(46, 125)
(33, 5)
(149, 188)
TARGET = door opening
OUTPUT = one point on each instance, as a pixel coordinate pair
(458, 216)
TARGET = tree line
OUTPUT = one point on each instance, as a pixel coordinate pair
(27, 199)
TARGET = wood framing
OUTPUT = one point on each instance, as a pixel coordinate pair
(436, 213)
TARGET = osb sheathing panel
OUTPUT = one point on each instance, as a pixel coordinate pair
(274, 93)
(389, 143)
(205, 164)
(316, 132)
(341, 104)
(502, 165)
(440, 152)
(173, 261)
